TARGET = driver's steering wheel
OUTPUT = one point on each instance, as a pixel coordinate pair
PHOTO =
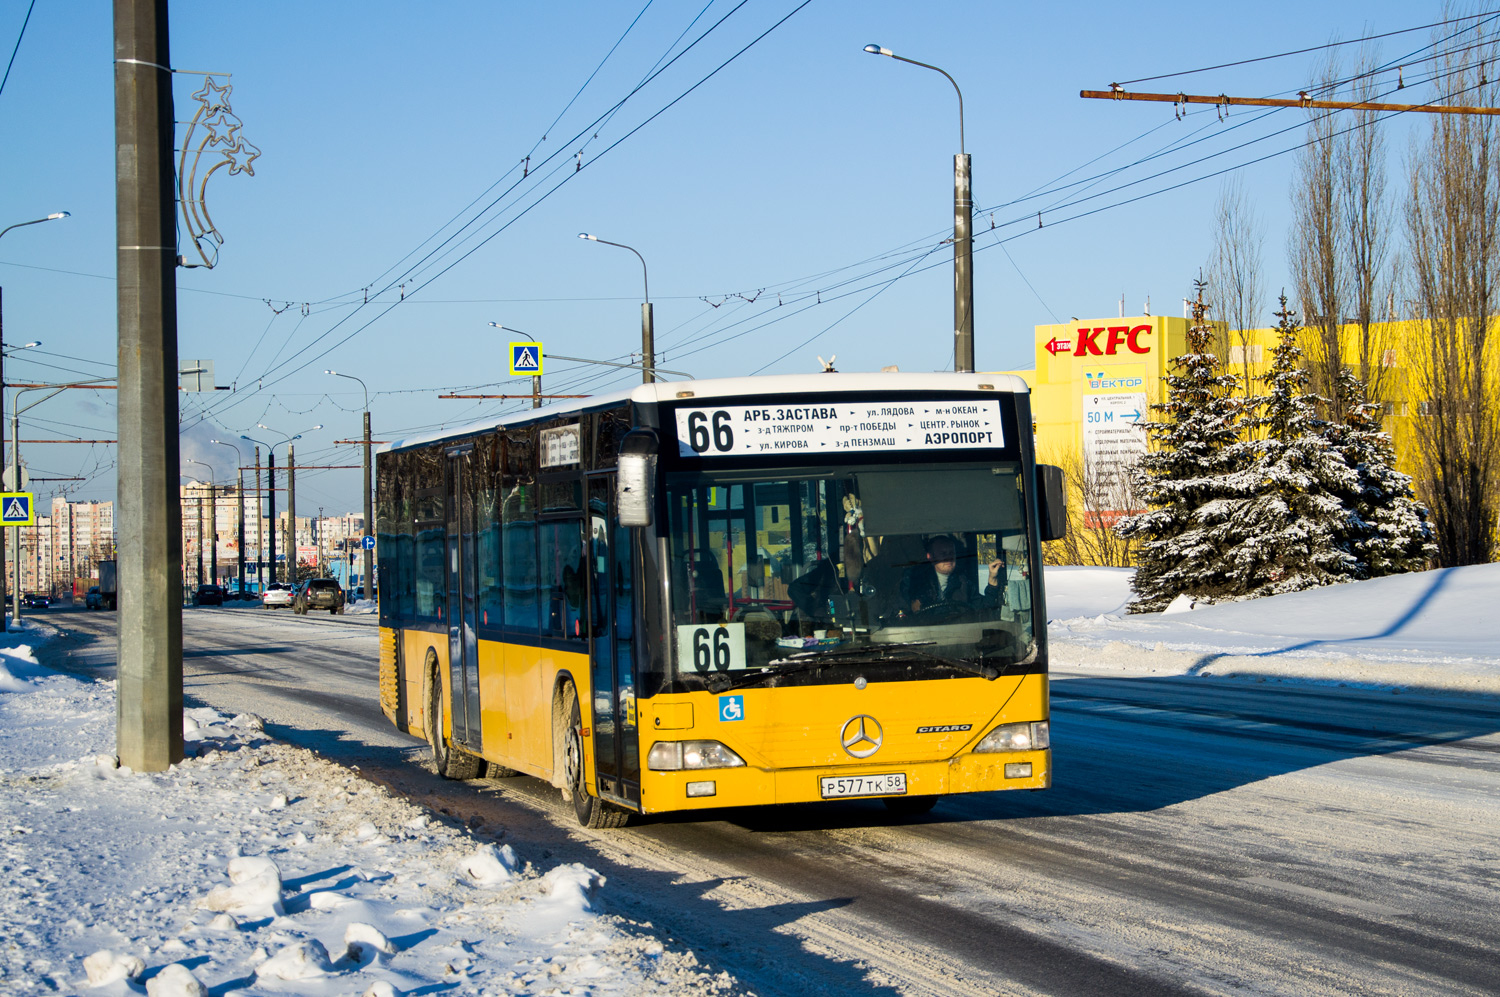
(943, 612)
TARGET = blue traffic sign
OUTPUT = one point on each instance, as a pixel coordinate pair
(368, 543)
(16, 508)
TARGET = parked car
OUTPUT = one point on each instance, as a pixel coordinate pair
(276, 594)
(94, 599)
(209, 595)
(36, 600)
(319, 593)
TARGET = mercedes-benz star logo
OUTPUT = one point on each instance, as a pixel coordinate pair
(861, 736)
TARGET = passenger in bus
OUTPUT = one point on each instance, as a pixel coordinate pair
(940, 581)
(817, 594)
(706, 596)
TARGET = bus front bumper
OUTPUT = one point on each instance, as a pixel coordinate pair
(742, 787)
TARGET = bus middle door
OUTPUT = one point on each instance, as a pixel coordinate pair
(463, 643)
(612, 615)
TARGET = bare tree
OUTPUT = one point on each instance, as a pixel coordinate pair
(1091, 538)
(1360, 168)
(1316, 245)
(1453, 238)
(1234, 272)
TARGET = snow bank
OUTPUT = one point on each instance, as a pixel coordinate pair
(1429, 629)
(257, 868)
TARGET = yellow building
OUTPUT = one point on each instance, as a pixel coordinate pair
(1096, 378)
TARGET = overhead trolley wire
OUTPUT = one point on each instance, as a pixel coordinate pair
(1304, 51)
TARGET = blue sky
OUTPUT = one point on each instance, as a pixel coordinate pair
(780, 178)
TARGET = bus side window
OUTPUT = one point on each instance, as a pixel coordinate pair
(520, 561)
(487, 516)
(561, 581)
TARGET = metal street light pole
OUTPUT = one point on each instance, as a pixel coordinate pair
(271, 491)
(213, 527)
(536, 379)
(963, 231)
(35, 221)
(648, 335)
(240, 510)
(368, 578)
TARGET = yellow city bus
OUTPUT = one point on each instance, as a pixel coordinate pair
(727, 592)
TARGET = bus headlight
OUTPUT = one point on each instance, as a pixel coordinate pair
(672, 756)
(1017, 737)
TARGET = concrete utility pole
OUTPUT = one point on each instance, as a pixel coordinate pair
(271, 509)
(291, 516)
(367, 577)
(149, 673)
(239, 462)
(536, 385)
(963, 234)
(648, 332)
(260, 570)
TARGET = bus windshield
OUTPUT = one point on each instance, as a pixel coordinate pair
(901, 571)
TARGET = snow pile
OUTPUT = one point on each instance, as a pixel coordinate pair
(257, 868)
(1428, 629)
(361, 607)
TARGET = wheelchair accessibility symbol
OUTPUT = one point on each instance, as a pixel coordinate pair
(731, 708)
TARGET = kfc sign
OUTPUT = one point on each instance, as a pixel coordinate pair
(1106, 340)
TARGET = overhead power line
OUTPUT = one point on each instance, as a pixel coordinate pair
(1304, 51)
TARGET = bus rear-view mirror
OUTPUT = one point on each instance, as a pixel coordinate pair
(1052, 501)
(635, 482)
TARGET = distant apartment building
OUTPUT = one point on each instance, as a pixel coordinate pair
(60, 551)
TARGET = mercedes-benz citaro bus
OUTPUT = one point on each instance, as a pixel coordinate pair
(724, 593)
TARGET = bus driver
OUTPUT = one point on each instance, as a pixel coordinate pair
(937, 581)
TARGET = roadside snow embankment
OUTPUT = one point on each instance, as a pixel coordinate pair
(1430, 629)
(254, 867)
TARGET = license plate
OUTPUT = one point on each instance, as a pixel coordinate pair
(892, 784)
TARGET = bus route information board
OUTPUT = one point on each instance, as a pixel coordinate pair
(750, 430)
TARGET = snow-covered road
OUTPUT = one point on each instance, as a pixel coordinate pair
(1204, 835)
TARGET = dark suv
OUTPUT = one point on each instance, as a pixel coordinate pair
(209, 595)
(319, 593)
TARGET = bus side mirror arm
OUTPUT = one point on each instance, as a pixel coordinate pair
(1052, 501)
(635, 483)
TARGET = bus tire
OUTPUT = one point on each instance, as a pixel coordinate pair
(590, 810)
(909, 806)
(451, 762)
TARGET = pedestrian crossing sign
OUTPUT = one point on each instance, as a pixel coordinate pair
(17, 508)
(525, 358)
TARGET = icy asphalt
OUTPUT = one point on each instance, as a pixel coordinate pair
(1279, 832)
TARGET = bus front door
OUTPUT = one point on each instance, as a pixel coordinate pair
(463, 645)
(617, 762)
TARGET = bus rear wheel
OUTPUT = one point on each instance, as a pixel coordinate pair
(450, 762)
(590, 810)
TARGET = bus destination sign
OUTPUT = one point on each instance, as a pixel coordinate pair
(904, 424)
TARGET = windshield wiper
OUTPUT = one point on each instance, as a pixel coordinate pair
(891, 652)
(724, 681)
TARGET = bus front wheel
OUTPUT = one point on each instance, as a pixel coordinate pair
(590, 810)
(450, 762)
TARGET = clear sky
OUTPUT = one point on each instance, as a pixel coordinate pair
(774, 204)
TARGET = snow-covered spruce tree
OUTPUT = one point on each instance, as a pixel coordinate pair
(1192, 434)
(1397, 536)
(1285, 525)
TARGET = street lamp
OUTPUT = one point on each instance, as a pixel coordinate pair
(598, 363)
(271, 494)
(963, 231)
(648, 342)
(536, 379)
(240, 517)
(369, 566)
(36, 221)
(213, 526)
(15, 595)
